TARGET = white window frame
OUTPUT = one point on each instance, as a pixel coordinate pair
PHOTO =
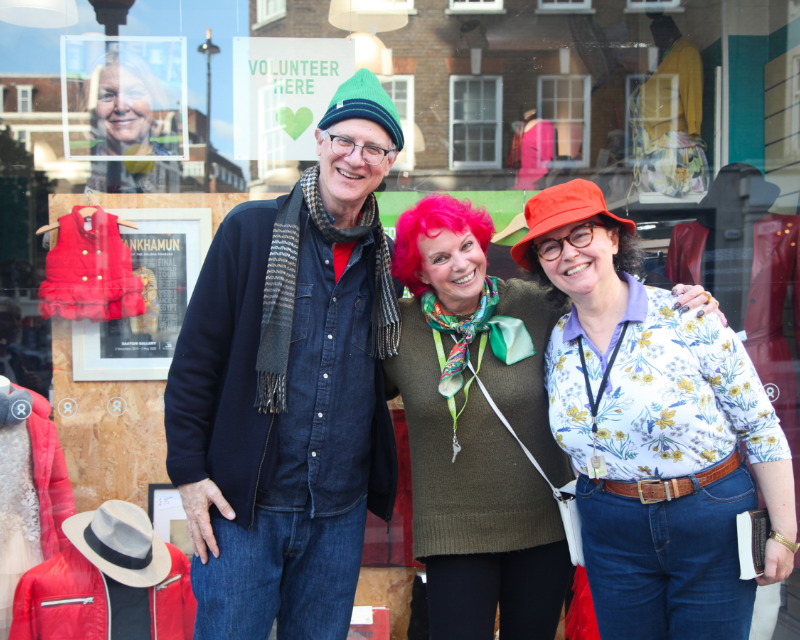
(673, 107)
(475, 6)
(642, 6)
(24, 136)
(23, 89)
(2, 97)
(573, 6)
(465, 164)
(586, 121)
(407, 123)
(263, 18)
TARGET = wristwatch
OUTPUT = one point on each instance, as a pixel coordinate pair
(791, 546)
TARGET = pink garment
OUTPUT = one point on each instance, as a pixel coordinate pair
(538, 148)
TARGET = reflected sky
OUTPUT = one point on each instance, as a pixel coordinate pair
(28, 50)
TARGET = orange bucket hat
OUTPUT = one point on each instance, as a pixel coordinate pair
(556, 206)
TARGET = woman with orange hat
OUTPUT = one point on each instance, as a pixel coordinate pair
(485, 521)
(652, 407)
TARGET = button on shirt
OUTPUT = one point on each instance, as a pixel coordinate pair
(325, 437)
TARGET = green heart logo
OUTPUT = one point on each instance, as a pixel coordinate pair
(294, 123)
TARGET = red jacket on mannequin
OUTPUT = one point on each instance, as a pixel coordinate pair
(65, 597)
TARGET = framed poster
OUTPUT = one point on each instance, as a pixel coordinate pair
(124, 99)
(166, 512)
(167, 252)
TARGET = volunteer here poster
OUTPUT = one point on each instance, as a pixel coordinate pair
(283, 87)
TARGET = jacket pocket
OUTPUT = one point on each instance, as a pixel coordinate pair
(169, 581)
(60, 602)
(362, 323)
(302, 312)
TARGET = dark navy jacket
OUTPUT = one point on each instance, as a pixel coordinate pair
(213, 429)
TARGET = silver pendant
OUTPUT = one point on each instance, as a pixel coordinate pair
(456, 448)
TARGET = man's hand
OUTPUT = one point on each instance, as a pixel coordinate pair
(690, 298)
(778, 564)
(196, 498)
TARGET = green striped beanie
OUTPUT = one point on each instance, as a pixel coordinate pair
(362, 96)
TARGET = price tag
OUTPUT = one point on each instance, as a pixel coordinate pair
(361, 615)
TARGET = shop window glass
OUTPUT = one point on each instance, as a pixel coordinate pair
(476, 105)
(564, 101)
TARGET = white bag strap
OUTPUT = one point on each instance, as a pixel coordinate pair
(500, 415)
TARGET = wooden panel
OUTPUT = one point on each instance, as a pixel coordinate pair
(778, 99)
(781, 154)
(116, 457)
(779, 69)
(782, 124)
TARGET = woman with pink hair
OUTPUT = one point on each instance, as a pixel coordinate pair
(485, 521)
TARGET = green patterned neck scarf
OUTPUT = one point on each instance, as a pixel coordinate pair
(508, 337)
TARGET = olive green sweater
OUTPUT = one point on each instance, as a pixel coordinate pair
(492, 499)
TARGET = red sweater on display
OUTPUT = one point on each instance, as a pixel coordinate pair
(89, 272)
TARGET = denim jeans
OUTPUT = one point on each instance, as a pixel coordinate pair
(303, 570)
(668, 570)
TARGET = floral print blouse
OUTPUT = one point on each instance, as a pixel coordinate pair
(680, 395)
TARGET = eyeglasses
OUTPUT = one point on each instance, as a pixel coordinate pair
(580, 237)
(370, 154)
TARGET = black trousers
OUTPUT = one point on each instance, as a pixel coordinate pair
(529, 585)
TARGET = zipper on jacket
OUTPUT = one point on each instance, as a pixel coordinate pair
(169, 581)
(258, 477)
(108, 603)
(155, 617)
(63, 601)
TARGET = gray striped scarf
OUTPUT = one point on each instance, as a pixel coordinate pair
(281, 280)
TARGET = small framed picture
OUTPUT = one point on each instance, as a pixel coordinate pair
(167, 252)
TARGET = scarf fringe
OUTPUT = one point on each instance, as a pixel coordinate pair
(386, 339)
(271, 393)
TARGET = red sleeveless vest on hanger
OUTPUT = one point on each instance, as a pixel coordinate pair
(89, 273)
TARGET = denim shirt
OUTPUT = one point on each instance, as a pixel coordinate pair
(324, 439)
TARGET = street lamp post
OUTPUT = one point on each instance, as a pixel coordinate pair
(209, 49)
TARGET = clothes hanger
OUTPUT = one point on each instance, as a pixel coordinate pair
(85, 212)
(515, 225)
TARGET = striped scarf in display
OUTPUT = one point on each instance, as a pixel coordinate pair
(279, 288)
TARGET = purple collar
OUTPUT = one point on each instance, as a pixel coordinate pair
(635, 312)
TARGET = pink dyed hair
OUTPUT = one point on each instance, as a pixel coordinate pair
(433, 213)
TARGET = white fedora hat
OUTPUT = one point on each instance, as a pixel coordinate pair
(119, 540)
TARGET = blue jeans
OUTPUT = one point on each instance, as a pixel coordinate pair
(668, 570)
(303, 570)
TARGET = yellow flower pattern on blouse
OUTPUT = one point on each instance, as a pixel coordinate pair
(682, 393)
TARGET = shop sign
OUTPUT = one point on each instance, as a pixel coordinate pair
(282, 88)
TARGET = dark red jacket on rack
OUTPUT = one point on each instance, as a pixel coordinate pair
(776, 239)
(65, 597)
(50, 477)
(89, 273)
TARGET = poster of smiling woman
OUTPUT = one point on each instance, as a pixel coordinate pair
(124, 108)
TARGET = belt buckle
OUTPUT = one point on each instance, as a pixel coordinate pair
(644, 500)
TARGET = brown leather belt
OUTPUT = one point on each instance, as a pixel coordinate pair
(653, 491)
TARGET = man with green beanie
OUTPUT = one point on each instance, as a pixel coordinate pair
(275, 398)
